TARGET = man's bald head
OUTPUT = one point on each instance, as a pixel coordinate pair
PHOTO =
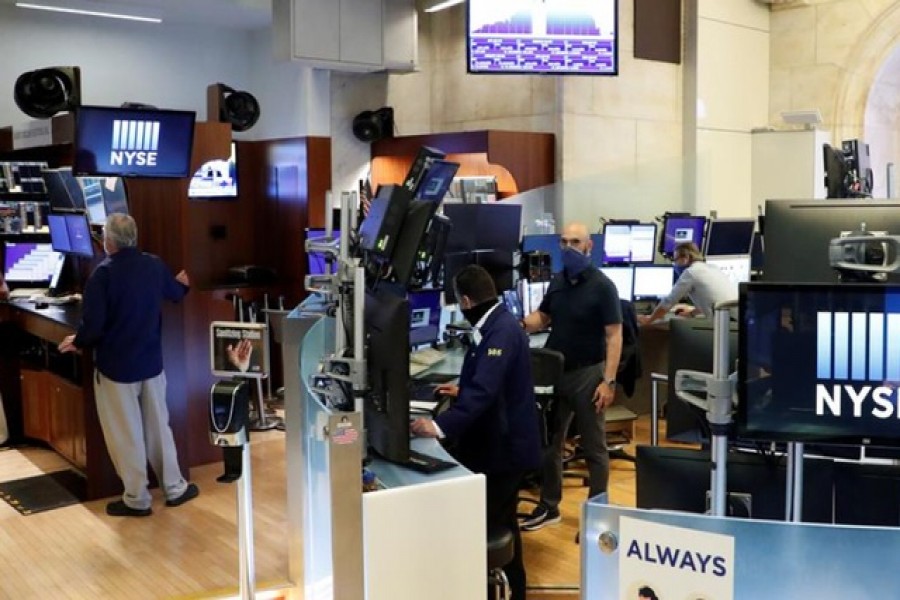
(576, 235)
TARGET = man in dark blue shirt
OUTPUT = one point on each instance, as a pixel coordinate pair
(582, 307)
(122, 323)
(493, 423)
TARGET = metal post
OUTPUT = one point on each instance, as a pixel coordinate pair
(797, 512)
(789, 483)
(245, 526)
(719, 411)
(655, 380)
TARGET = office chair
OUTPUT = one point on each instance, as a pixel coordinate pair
(546, 372)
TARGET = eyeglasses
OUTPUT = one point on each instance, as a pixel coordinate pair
(563, 242)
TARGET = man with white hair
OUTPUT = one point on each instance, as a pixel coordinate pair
(122, 323)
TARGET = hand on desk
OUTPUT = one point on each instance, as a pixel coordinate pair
(423, 427)
(447, 389)
(68, 344)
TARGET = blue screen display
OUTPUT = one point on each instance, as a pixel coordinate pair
(71, 233)
(134, 143)
(425, 316)
(680, 230)
(437, 180)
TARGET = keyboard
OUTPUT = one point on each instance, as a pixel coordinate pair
(427, 356)
(424, 463)
(421, 390)
(27, 293)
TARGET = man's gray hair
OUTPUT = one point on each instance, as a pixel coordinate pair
(121, 230)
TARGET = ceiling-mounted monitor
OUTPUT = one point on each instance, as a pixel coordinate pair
(217, 178)
(555, 37)
(131, 142)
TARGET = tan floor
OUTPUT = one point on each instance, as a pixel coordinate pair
(191, 551)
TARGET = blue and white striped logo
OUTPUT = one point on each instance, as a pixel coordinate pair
(135, 135)
(856, 346)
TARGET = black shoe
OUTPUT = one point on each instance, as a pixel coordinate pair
(120, 509)
(190, 493)
(540, 517)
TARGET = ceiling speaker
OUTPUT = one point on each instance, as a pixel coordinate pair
(42, 93)
(240, 109)
(373, 125)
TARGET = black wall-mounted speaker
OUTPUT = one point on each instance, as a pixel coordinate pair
(42, 93)
(373, 125)
(241, 109)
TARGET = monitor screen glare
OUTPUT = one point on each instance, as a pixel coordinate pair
(653, 282)
(634, 243)
(623, 278)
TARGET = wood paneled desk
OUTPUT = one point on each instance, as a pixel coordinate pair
(50, 397)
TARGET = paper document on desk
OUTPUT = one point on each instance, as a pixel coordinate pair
(422, 405)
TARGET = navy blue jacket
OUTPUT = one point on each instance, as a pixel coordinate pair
(494, 420)
(122, 314)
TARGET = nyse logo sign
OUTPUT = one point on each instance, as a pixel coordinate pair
(862, 349)
(134, 143)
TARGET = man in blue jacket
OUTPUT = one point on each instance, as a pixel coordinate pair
(493, 422)
(122, 322)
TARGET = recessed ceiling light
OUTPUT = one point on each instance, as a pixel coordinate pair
(90, 13)
(443, 5)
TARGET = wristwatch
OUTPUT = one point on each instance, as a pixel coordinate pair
(610, 382)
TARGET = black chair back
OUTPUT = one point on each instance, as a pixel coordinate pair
(546, 372)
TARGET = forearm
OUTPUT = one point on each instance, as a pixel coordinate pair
(657, 313)
(536, 321)
(613, 352)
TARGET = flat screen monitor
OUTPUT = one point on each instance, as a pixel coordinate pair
(437, 180)
(547, 243)
(424, 317)
(820, 363)
(798, 233)
(680, 230)
(623, 278)
(555, 36)
(217, 178)
(379, 231)
(629, 243)
(653, 282)
(133, 142)
(239, 349)
(737, 268)
(531, 293)
(315, 262)
(27, 264)
(99, 196)
(495, 226)
(729, 237)
(70, 233)
(387, 363)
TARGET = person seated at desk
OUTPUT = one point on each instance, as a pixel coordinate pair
(492, 424)
(704, 284)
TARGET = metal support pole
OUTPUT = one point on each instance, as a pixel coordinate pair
(789, 484)
(797, 460)
(655, 380)
(719, 411)
(245, 526)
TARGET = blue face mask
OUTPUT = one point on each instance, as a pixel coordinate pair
(574, 262)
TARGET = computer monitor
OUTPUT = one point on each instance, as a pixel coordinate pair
(652, 282)
(513, 303)
(494, 226)
(408, 254)
(819, 363)
(386, 401)
(798, 233)
(547, 243)
(63, 190)
(629, 243)
(531, 293)
(379, 231)
(623, 278)
(736, 268)
(29, 264)
(679, 230)
(216, 178)
(437, 180)
(729, 237)
(71, 233)
(315, 262)
(99, 196)
(425, 317)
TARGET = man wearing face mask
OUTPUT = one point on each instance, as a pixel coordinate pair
(582, 307)
(704, 284)
(122, 323)
(493, 423)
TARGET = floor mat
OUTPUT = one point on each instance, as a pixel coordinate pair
(43, 492)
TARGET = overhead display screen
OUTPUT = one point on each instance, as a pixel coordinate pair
(543, 36)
